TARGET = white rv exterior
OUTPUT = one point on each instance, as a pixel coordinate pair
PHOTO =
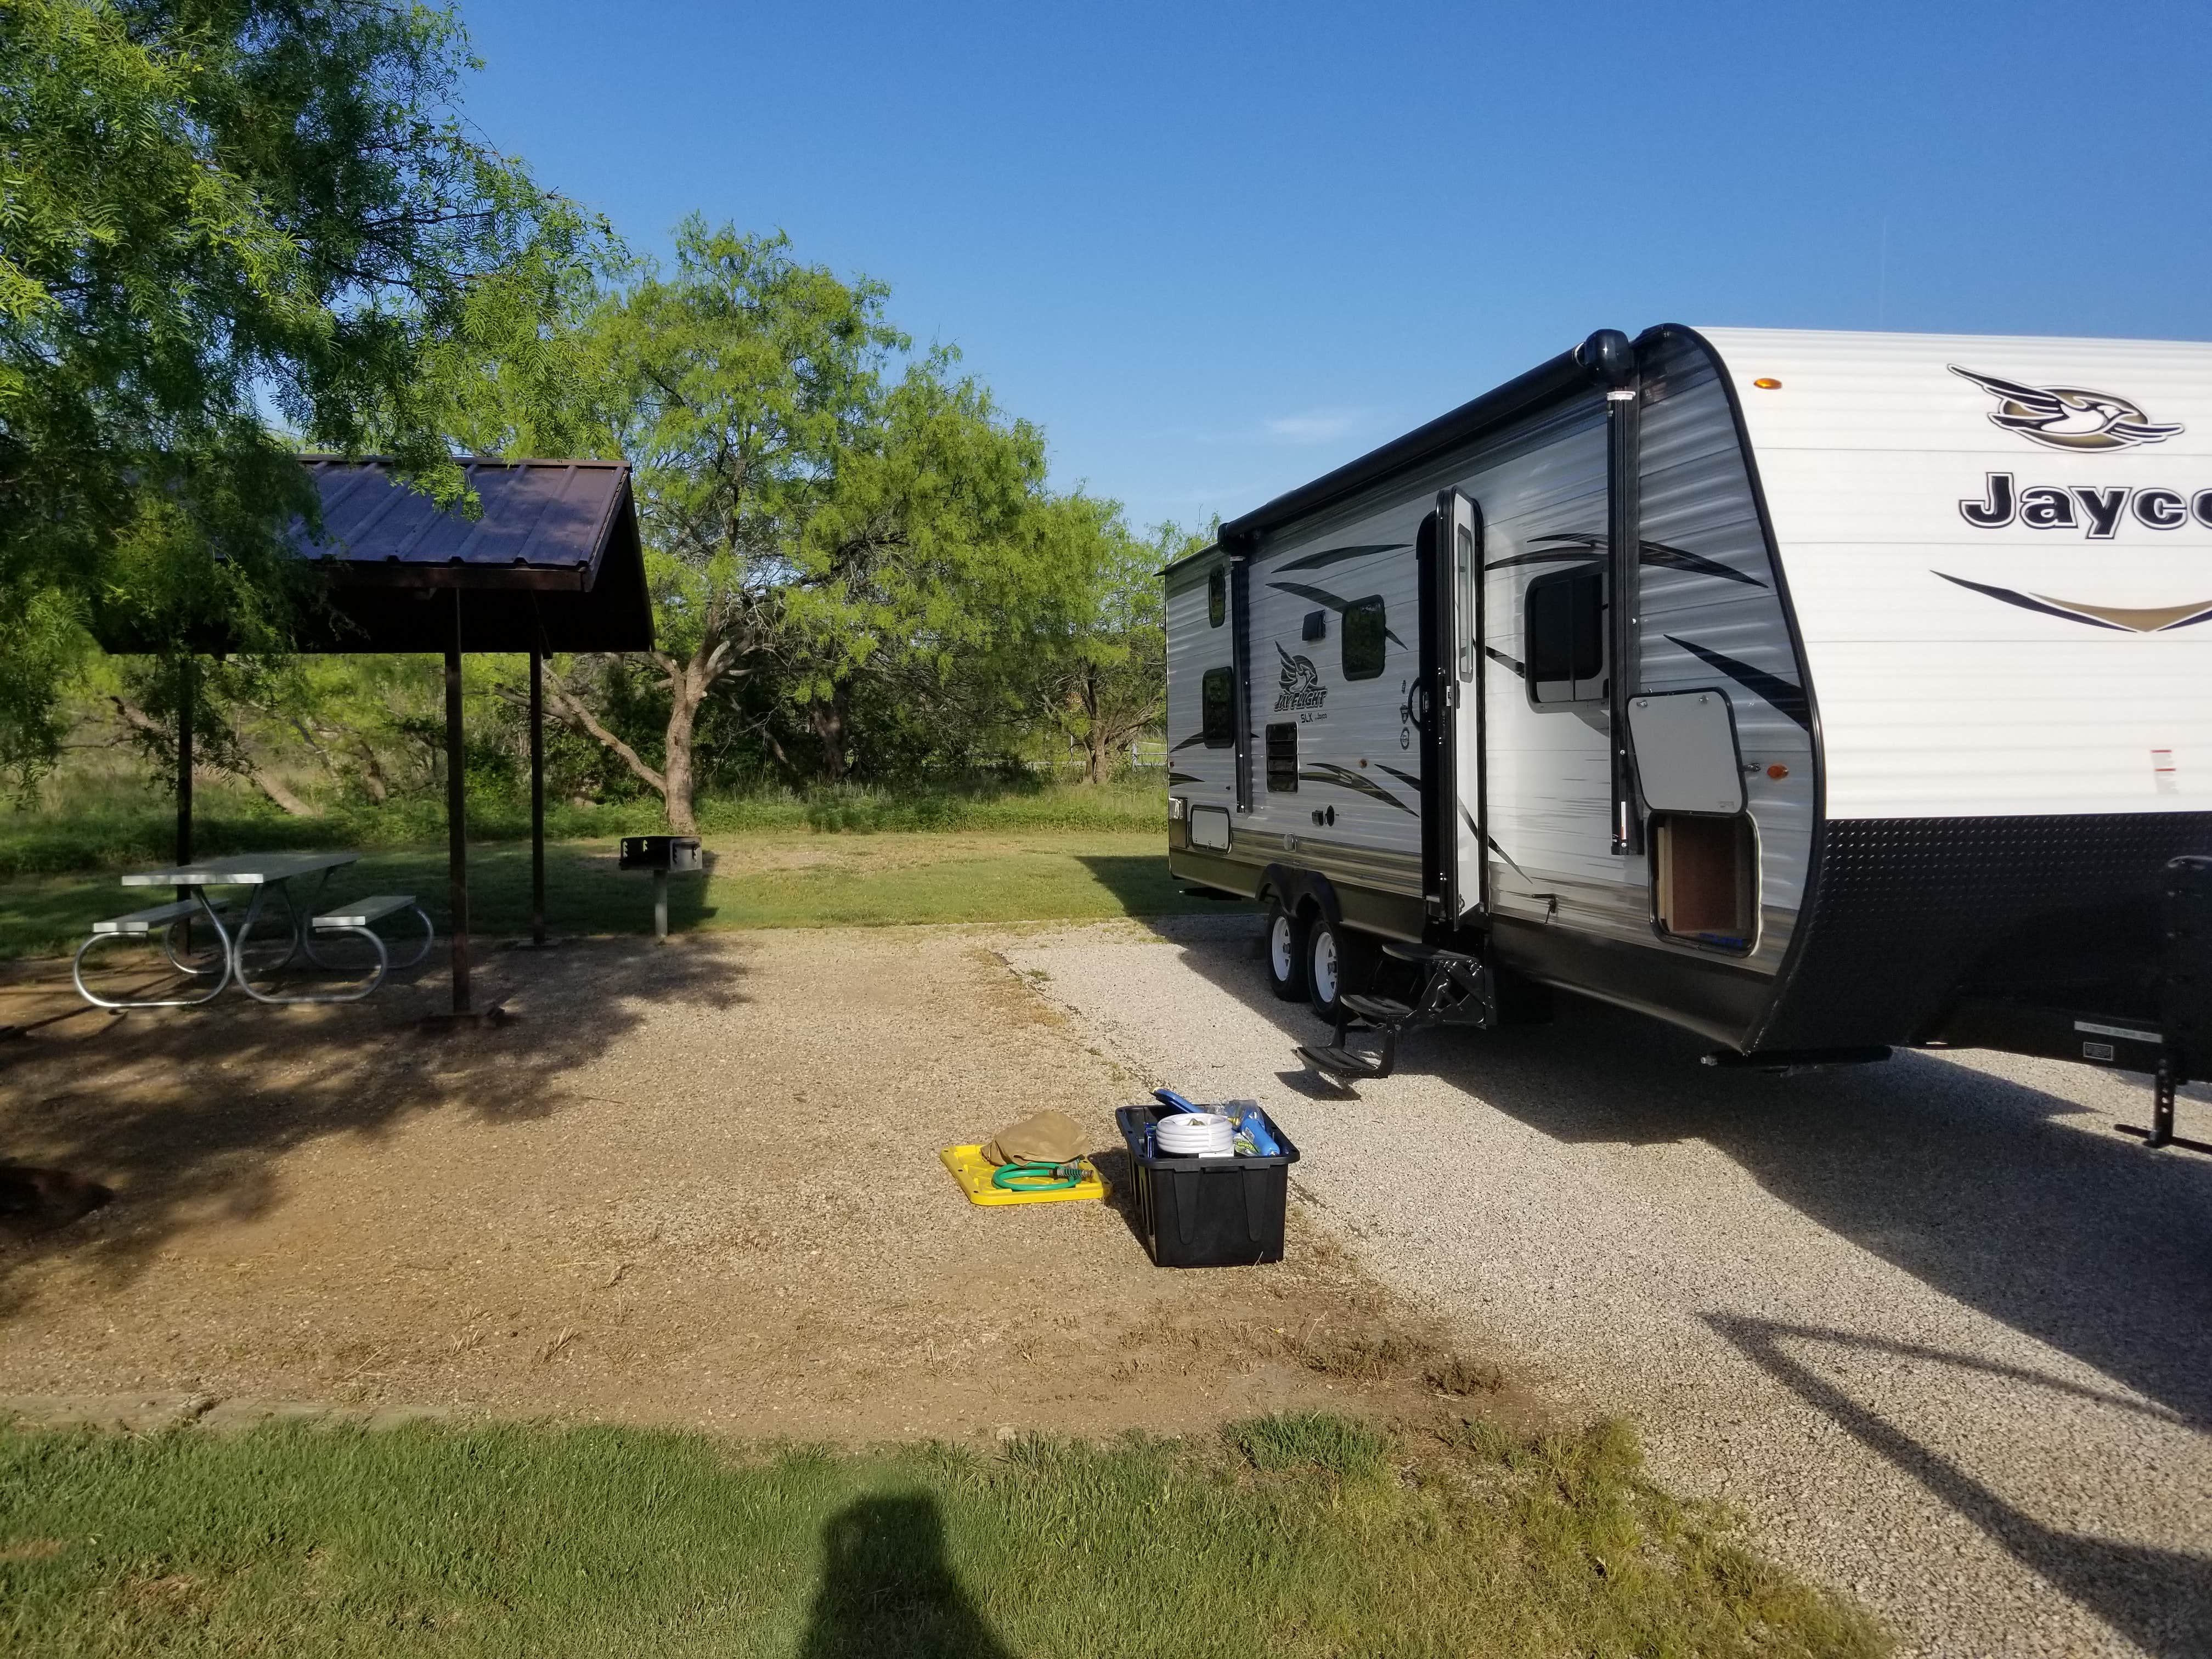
(1946, 591)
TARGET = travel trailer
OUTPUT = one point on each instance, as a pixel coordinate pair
(1821, 693)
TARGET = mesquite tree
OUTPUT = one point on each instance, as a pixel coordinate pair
(209, 210)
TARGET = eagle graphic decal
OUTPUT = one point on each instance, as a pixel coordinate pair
(2069, 416)
(1301, 684)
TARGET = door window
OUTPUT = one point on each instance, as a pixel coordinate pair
(1463, 576)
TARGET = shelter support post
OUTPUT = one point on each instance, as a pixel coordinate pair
(456, 833)
(186, 689)
(537, 798)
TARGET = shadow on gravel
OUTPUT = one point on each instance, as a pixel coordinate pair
(2162, 1599)
(185, 1113)
(1975, 1185)
(1978, 1186)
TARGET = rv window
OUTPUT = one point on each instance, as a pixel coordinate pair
(1216, 709)
(1364, 630)
(1282, 758)
(1217, 597)
(1565, 637)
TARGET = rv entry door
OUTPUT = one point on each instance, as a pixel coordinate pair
(1450, 552)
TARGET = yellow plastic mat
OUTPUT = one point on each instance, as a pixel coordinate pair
(974, 1176)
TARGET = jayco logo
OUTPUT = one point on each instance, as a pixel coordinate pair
(1302, 686)
(2095, 511)
(2069, 416)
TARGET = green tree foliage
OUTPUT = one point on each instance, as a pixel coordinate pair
(211, 209)
(853, 556)
(1104, 680)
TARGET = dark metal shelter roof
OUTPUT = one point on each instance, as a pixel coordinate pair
(553, 563)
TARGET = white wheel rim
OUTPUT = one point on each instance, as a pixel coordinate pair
(1324, 965)
(1278, 946)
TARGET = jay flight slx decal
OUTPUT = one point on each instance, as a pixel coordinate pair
(2082, 421)
(1303, 693)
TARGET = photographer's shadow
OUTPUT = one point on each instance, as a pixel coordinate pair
(888, 1590)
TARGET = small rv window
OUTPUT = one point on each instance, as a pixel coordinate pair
(1365, 628)
(1216, 709)
(1566, 638)
(1282, 758)
(1217, 597)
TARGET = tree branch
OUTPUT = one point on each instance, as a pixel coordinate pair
(568, 708)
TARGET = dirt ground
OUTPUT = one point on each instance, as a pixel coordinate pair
(691, 1184)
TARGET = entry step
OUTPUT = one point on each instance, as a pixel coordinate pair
(1342, 1062)
(1380, 1009)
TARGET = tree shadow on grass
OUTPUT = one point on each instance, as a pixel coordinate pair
(185, 1113)
(888, 1591)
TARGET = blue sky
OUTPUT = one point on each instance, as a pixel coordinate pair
(1217, 250)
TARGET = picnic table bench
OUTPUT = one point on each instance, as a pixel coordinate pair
(264, 874)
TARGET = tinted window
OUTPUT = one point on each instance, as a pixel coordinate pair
(1216, 599)
(1365, 631)
(1565, 639)
(1216, 709)
(1282, 758)
(1463, 582)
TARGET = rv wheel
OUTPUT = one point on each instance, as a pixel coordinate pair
(1286, 953)
(1338, 960)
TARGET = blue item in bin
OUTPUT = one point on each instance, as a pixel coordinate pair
(1251, 1123)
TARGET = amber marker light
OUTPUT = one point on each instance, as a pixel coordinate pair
(1767, 383)
(1778, 771)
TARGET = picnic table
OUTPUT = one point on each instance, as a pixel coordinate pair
(268, 875)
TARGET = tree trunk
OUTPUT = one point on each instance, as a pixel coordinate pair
(826, 721)
(688, 683)
(372, 774)
(687, 689)
(1097, 740)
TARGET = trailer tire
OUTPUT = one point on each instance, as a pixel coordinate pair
(1339, 959)
(1284, 952)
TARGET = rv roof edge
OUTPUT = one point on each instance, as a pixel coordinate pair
(1470, 420)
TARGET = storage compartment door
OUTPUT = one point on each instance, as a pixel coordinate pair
(1686, 756)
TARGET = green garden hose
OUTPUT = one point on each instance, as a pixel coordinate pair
(1037, 1177)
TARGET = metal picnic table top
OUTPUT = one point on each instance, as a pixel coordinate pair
(241, 870)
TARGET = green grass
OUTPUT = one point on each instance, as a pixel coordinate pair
(760, 879)
(112, 830)
(515, 1540)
